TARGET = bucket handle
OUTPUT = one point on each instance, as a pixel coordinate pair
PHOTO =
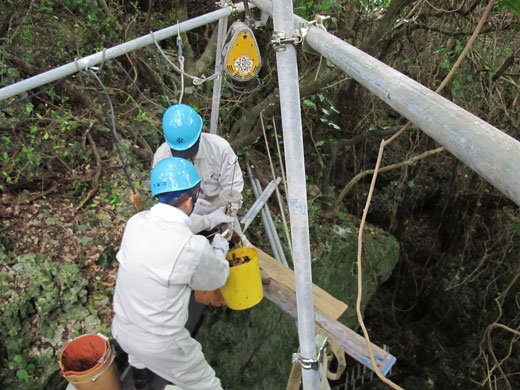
(104, 358)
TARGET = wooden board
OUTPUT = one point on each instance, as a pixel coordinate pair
(323, 301)
(352, 343)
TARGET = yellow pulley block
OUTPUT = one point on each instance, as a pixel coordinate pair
(240, 53)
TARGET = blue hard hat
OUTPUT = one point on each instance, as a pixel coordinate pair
(182, 126)
(173, 174)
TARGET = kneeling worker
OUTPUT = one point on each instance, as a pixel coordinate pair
(160, 262)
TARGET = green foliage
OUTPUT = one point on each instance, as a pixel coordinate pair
(107, 258)
(41, 300)
(513, 4)
(88, 8)
(36, 142)
(309, 9)
(514, 227)
(112, 193)
(23, 369)
(375, 5)
(244, 154)
(310, 103)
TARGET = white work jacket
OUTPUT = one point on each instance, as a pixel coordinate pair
(217, 166)
(160, 262)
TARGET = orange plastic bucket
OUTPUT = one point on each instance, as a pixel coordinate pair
(210, 298)
(87, 362)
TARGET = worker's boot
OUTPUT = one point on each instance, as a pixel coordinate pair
(142, 378)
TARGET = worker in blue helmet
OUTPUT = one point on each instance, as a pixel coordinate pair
(160, 262)
(212, 156)
(220, 173)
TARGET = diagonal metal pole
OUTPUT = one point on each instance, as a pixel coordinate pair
(287, 68)
(272, 228)
(490, 152)
(256, 192)
(259, 204)
(113, 52)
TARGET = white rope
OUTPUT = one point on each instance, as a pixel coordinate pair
(243, 90)
(181, 60)
(278, 195)
(196, 80)
(284, 220)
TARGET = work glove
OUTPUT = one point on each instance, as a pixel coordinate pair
(220, 243)
(202, 207)
(218, 217)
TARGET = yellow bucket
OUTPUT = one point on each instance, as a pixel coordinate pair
(243, 288)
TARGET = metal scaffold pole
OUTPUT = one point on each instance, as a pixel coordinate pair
(113, 52)
(217, 85)
(490, 152)
(297, 192)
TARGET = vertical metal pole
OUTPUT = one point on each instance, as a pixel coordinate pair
(217, 83)
(297, 193)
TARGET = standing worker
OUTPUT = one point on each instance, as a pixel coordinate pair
(218, 168)
(160, 262)
(212, 156)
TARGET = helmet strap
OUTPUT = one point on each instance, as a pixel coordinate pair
(169, 196)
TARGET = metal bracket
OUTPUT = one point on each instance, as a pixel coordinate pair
(312, 364)
(233, 6)
(305, 27)
(279, 40)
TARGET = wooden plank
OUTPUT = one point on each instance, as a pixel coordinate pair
(352, 343)
(323, 301)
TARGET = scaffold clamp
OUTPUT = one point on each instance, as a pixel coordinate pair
(233, 6)
(308, 363)
(305, 27)
(279, 40)
(318, 22)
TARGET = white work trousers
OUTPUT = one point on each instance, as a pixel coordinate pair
(179, 360)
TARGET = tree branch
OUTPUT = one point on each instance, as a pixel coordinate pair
(361, 175)
(99, 168)
(207, 59)
(248, 128)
